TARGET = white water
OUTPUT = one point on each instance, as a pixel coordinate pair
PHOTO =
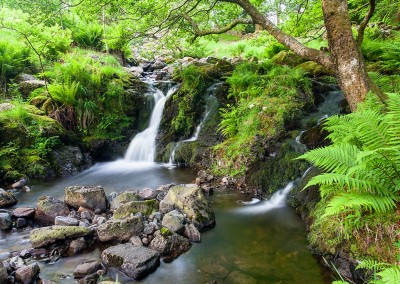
(143, 147)
(277, 200)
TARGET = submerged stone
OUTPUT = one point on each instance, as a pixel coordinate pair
(134, 261)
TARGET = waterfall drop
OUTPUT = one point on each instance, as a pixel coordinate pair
(143, 146)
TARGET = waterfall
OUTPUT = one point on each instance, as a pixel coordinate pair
(143, 146)
(211, 104)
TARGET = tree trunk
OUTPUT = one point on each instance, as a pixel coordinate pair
(345, 53)
(345, 58)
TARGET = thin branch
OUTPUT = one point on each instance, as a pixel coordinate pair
(364, 23)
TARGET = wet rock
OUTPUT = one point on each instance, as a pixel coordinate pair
(170, 245)
(3, 273)
(44, 281)
(124, 197)
(25, 254)
(20, 222)
(136, 241)
(48, 208)
(77, 246)
(45, 236)
(157, 65)
(237, 277)
(89, 279)
(150, 228)
(87, 268)
(70, 160)
(16, 262)
(136, 70)
(174, 221)
(20, 184)
(120, 230)
(39, 253)
(134, 261)
(7, 199)
(86, 215)
(145, 207)
(190, 200)
(191, 232)
(27, 274)
(98, 220)
(147, 193)
(66, 221)
(5, 221)
(24, 212)
(90, 197)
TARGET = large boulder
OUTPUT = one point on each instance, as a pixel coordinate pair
(5, 221)
(90, 197)
(45, 236)
(27, 274)
(134, 261)
(27, 87)
(174, 221)
(48, 208)
(190, 200)
(170, 245)
(70, 160)
(3, 273)
(120, 230)
(124, 197)
(7, 199)
(145, 207)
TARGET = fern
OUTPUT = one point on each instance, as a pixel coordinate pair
(385, 273)
(362, 166)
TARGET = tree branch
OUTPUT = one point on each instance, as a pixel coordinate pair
(285, 39)
(221, 30)
(364, 23)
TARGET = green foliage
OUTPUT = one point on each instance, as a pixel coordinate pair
(14, 58)
(383, 55)
(362, 166)
(265, 97)
(64, 93)
(86, 34)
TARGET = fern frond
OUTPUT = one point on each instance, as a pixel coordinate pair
(363, 201)
(371, 264)
(393, 118)
(341, 128)
(337, 158)
(390, 275)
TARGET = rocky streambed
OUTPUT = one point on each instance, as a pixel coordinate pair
(137, 229)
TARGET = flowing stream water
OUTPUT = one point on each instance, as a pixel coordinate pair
(253, 242)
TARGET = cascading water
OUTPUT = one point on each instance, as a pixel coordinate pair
(211, 104)
(329, 107)
(143, 147)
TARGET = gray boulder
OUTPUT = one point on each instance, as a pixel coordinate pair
(170, 245)
(48, 208)
(3, 273)
(134, 261)
(120, 230)
(174, 221)
(124, 197)
(90, 197)
(26, 87)
(45, 236)
(147, 193)
(145, 207)
(5, 221)
(70, 160)
(192, 233)
(24, 212)
(27, 274)
(87, 268)
(76, 246)
(66, 221)
(7, 199)
(190, 200)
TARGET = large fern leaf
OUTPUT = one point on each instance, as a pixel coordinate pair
(360, 201)
(390, 275)
(335, 158)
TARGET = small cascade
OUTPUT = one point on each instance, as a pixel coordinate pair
(210, 106)
(143, 147)
(278, 199)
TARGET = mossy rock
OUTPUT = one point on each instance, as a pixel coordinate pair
(120, 230)
(145, 207)
(287, 58)
(46, 236)
(124, 197)
(314, 69)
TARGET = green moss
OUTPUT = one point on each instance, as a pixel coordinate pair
(313, 68)
(165, 232)
(145, 207)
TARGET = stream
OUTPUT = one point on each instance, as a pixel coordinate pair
(264, 242)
